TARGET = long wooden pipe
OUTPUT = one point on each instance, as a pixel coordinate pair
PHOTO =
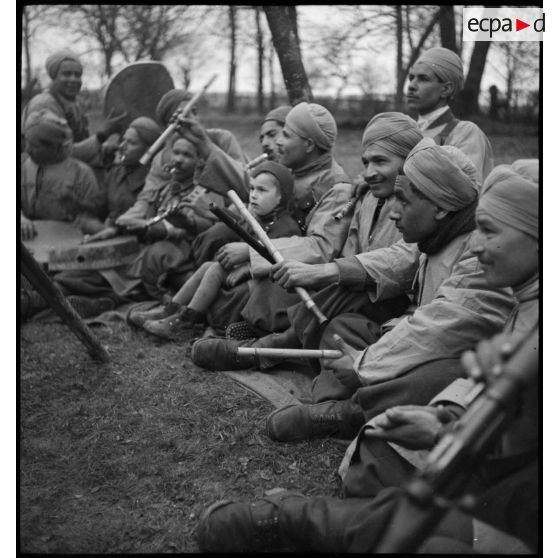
(150, 153)
(289, 353)
(276, 255)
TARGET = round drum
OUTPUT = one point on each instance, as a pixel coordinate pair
(102, 254)
(137, 89)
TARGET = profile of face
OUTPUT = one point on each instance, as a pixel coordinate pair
(67, 81)
(131, 148)
(425, 92)
(416, 217)
(507, 256)
(265, 194)
(292, 149)
(380, 170)
(269, 132)
(184, 159)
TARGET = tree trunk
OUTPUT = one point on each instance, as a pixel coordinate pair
(448, 36)
(399, 58)
(25, 34)
(282, 24)
(272, 94)
(231, 98)
(467, 103)
(261, 55)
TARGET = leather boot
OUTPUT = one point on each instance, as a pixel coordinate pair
(138, 317)
(218, 353)
(229, 526)
(341, 419)
(177, 326)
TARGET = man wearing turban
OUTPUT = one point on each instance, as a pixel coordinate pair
(435, 79)
(454, 305)
(387, 140)
(506, 486)
(54, 185)
(216, 147)
(320, 191)
(65, 70)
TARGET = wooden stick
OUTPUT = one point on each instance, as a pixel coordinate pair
(234, 226)
(255, 162)
(52, 294)
(159, 142)
(262, 236)
(289, 353)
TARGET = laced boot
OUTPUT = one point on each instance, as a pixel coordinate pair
(175, 327)
(30, 302)
(240, 330)
(229, 526)
(218, 353)
(293, 423)
(138, 317)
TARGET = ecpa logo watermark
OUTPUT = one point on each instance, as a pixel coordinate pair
(503, 24)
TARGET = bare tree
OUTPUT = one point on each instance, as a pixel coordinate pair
(467, 102)
(261, 56)
(282, 23)
(231, 97)
(448, 36)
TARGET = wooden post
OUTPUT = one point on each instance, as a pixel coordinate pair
(57, 301)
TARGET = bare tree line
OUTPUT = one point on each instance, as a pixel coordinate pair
(341, 52)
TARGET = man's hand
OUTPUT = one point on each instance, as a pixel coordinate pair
(232, 254)
(113, 124)
(487, 361)
(237, 275)
(343, 367)
(105, 234)
(194, 132)
(28, 230)
(291, 273)
(201, 207)
(132, 224)
(412, 426)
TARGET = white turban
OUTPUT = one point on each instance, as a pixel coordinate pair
(445, 64)
(312, 121)
(394, 131)
(511, 199)
(444, 174)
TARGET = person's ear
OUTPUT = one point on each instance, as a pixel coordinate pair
(448, 89)
(440, 214)
(310, 145)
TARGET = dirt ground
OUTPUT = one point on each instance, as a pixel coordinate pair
(124, 457)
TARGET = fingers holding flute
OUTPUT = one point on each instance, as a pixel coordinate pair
(190, 129)
(343, 367)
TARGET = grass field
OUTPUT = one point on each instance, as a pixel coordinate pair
(123, 457)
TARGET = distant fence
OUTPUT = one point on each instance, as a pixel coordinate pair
(350, 111)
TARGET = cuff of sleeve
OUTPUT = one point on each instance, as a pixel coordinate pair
(351, 273)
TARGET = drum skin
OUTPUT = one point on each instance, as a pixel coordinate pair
(58, 246)
(136, 89)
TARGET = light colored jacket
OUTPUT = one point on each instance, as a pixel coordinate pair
(455, 309)
(325, 235)
(61, 191)
(468, 137)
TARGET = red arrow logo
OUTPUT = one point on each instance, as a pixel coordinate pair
(519, 25)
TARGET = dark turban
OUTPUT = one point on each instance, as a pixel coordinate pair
(444, 174)
(278, 114)
(445, 64)
(169, 103)
(512, 200)
(312, 121)
(54, 61)
(44, 125)
(283, 176)
(393, 131)
(147, 129)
